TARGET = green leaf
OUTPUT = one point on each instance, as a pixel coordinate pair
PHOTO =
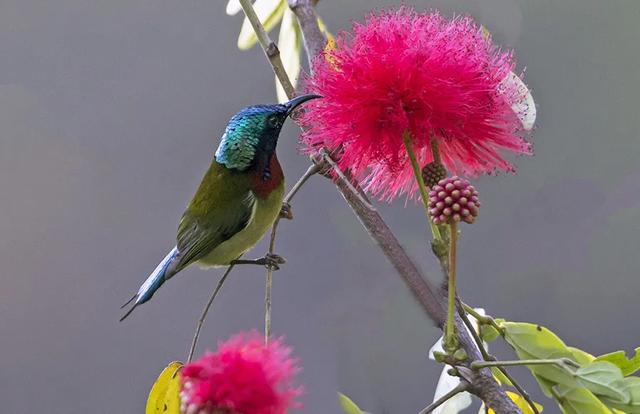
(619, 358)
(604, 379)
(269, 12)
(347, 405)
(536, 342)
(631, 386)
(164, 397)
(488, 333)
(580, 356)
(545, 385)
(290, 45)
(579, 401)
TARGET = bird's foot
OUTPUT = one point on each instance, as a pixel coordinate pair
(286, 212)
(270, 261)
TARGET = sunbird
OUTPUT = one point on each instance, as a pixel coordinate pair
(238, 199)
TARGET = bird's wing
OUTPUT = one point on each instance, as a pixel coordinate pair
(222, 206)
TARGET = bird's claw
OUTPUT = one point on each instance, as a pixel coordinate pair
(286, 212)
(272, 261)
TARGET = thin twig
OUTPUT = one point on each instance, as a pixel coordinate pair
(487, 357)
(343, 178)
(474, 335)
(482, 319)
(523, 393)
(311, 171)
(269, 47)
(269, 283)
(268, 287)
(563, 363)
(314, 39)
(462, 387)
(194, 342)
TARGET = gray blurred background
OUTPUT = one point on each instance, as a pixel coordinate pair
(110, 111)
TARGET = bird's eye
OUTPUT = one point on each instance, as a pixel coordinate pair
(273, 121)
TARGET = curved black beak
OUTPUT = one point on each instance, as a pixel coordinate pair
(299, 100)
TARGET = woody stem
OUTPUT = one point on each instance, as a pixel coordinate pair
(269, 47)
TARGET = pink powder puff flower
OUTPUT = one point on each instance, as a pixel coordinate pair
(244, 376)
(425, 74)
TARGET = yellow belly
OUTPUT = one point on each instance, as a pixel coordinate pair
(265, 213)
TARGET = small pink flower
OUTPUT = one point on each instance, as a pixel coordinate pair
(244, 376)
(421, 73)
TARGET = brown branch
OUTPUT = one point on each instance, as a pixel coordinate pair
(462, 387)
(314, 39)
(432, 301)
(269, 47)
(481, 383)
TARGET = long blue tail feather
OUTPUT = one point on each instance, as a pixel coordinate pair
(153, 282)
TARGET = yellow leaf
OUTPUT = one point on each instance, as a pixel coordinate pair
(164, 396)
(269, 12)
(290, 44)
(521, 403)
(347, 405)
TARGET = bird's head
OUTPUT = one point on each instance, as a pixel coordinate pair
(252, 133)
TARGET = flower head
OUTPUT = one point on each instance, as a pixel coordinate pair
(244, 376)
(436, 78)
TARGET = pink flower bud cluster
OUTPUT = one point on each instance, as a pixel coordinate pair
(453, 199)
